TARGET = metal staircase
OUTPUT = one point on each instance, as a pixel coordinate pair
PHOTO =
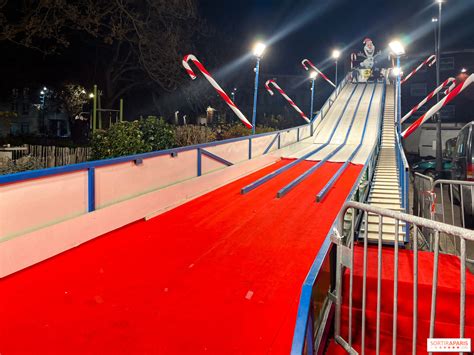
(385, 191)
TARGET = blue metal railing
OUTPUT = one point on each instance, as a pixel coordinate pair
(304, 328)
(402, 163)
(138, 159)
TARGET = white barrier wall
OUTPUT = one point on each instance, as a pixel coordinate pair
(29, 204)
(30, 248)
(122, 181)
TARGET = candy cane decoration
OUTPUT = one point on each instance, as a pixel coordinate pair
(216, 86)
(290, 101)
(430, 61)
(455, 92)
(450, 88)
(353, 60)
(429, 97)
(307, 62)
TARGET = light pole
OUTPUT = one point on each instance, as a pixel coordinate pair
(439, 142)
(336, 54)
(434, 21)
(397, 48)
(312, 76)
(258, 50)
(233, 94)
(43, 108)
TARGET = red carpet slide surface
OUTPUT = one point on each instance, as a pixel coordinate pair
(219, 274)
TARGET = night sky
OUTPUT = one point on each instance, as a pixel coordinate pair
(293, 30)
(312, 28)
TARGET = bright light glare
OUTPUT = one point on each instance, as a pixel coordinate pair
(434, 19)
(396, 71)
(258, 49)
(439, 1)
(463, 70)
(336, 53)
(91, 95)
(45, 88)
(313, 75)
(397, 47)
(42, 92)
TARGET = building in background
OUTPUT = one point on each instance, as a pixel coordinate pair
(23, 113)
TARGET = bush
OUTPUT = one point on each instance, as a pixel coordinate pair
(123, 138)
(190, 135)
(157, 134)
(28, 162)
(128, 138)
(239, 130)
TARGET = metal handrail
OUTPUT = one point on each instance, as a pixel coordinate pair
(427, 199)
(345, 259)
(459, 183)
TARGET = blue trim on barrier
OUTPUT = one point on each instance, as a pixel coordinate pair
(283, 191)
(199, 162)
(271, 144)
(250, 148)
(327, 187)
(215, 157)
(33, 174)
(302, 316)
(307, 288)
(277, 172)
(91, 189)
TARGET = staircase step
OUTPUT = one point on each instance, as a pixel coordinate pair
(386, 200)
(393, 207)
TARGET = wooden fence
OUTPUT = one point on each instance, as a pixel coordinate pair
(57, 156)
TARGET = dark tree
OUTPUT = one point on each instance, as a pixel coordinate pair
(135, 44)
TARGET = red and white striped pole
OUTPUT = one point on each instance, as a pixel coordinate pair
(430, 61)
(429, 97)
(307, 63)
(216, 86)
(353, 60)
(290, 101)
(452, 94)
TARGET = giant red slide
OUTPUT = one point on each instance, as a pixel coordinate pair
(219, 274)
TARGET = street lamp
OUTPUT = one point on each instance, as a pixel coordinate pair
(396, 71)
(43, 107)
(233, 94)
(439, 146)
(335, 55)
(258, 50)
(398, 50)
(312, 76)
